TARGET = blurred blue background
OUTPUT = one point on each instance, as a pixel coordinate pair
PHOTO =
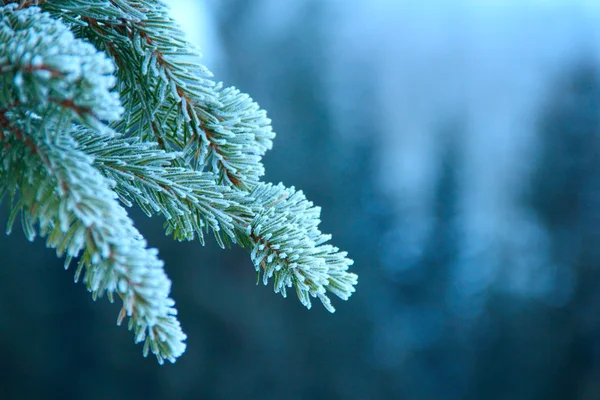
(455, 149)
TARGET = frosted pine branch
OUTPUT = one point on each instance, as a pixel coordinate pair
(180, 145)
(45, 69)
(75, 207)
(191, 201)
(170, 97)
(287, 245)
(50, 79)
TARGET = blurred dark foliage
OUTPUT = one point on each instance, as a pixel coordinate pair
(413, 330)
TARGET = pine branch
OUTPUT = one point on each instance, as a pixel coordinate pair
(184, 148)
(279, 226)
(286, 243)
(191, 201)
(46, 70)
(56, 186)
(169, 95)
(76, 209)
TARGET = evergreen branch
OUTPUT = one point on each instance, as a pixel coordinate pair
(278, 226)
(170, 97)
(286, 243)
(75, 207)
(280, 229)
(45, 69)
(192, 153)
(191, 201)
